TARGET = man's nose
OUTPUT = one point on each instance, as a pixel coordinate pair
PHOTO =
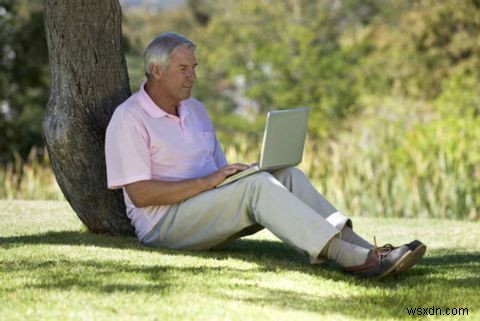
(191, 74)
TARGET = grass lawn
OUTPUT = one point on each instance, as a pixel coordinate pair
(52, 269)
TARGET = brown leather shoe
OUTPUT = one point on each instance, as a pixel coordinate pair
(418, 250)
(381, 262)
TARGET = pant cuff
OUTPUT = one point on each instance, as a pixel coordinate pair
(339, 220)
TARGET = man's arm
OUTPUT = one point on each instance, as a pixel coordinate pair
(153, 192)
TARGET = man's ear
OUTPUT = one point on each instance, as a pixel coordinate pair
(156, 71)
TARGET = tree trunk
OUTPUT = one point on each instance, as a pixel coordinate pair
(89, 80)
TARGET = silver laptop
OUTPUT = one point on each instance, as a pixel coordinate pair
(283, 142)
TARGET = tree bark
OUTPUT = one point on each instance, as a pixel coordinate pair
(89, 80)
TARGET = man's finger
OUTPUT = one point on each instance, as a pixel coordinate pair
(240, 166)
(231, 170)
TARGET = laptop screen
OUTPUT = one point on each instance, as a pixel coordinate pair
(284, 138)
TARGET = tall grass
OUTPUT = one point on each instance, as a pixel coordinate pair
(396, 160)
(30, 179)
(404, 161)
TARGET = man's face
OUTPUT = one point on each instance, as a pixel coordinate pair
(179, 77)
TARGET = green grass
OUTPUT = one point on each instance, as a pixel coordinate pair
(52, 269)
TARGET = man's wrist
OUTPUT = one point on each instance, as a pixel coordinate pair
(203, 184)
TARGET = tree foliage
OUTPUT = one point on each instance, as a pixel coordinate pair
(287, 54)
(259, 55)
(24, 77)
(434, 41)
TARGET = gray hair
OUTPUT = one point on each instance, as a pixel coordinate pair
(158, 52)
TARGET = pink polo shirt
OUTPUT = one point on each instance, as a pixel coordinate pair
(143, 142)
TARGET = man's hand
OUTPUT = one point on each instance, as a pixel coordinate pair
(218, 176)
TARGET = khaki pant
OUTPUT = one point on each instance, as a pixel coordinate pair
(284, 202)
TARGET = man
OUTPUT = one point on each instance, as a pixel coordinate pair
(162, 150)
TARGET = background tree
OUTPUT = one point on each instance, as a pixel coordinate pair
(432, 42)
(89, 80)
(24, 75)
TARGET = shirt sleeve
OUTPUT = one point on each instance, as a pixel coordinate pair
(127, 154)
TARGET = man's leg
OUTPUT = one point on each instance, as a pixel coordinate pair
(299, 185)
(213, 217)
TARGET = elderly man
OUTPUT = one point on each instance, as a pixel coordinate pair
(162, 150)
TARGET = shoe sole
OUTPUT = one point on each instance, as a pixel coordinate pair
(397, 265)
(413, 258)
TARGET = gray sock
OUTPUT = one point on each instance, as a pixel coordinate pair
(344, 253)
(348, 235)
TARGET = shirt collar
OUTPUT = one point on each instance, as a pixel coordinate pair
(153, 110)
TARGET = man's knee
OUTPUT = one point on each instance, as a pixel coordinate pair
(289, 175)
(260, 177)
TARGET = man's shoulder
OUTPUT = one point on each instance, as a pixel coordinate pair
(130, 109)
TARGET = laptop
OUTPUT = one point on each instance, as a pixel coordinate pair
(283, 142)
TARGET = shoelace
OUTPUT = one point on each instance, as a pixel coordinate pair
(381, 251)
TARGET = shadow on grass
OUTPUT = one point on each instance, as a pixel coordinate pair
(275, 254)
(72, 238)
(444, 278)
